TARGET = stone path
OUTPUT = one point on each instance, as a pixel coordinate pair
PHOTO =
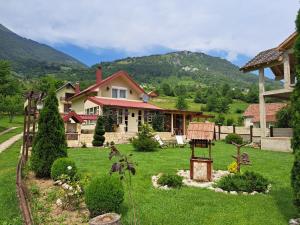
(6, 144)
(7, 130)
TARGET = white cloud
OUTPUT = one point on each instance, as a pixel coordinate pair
(234, 26)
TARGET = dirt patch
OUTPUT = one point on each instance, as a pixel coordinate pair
(43, 197)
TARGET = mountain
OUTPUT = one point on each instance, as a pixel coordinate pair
(184, 67)
(31, 58)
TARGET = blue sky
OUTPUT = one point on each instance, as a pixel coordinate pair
(96, 30)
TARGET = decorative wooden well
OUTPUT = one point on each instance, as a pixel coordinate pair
(201, 135)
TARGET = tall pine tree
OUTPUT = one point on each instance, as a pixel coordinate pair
(50, 142)
(295, 107)
(99, 132)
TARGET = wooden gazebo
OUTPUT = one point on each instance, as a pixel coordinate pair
(201, 135)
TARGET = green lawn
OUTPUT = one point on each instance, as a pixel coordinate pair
(4, 122)
(9, 209)
(194, 206)
(168, 102)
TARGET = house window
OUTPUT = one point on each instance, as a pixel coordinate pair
(119, 93)
(67, 108)
(92, 111)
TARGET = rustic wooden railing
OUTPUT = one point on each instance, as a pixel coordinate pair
(22, 192)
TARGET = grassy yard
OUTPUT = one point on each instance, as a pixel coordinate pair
(193, 206)
(168, 102)
(9, 209)
(4, 122)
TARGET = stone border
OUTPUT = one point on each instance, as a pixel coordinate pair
(217, 175)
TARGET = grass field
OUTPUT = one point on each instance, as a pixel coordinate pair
(9, 209)
(193, 206)
(5, 124)
(168, 102)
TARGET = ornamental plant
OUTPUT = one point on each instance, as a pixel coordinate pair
(125, 168)
(103, 195)
(50, 142)
(233, 138)
(232, 167)
(145, 140)
(99, 132)
(63, 166)
(295, 109)
(171, 180)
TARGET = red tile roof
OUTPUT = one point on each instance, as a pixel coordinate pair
(201, 131)
(74, 116)
(271, 110)
(105, 81)
(122, 103)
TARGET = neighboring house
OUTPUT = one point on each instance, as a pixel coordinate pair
(120, 96)
(63, 95)
(152, 94)
(251, 115)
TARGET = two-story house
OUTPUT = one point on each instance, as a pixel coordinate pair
(122, 97)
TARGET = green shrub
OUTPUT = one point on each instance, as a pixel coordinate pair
(233, 138)
(104, 194)
(145, 141)
(99, 132)
(247, 182)
(170, 180)
(63, 166)
(49, 143)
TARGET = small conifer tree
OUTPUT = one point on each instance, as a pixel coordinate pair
(295, 108)
(99, 132)
(50, 142)
(181, 103)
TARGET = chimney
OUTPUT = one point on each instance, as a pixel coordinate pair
(99, 75)
(77, 88)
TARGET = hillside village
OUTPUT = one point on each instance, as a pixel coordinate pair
(113, 142)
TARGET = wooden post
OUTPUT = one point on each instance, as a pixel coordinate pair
(183, 125)
(233, 126)
(209, 149)
(251, 133)
(172, 124)
(271, 131)
(219, 131)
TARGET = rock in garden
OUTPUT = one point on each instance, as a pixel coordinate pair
(233, 192)
(294, 221)
(218, 190)
(253, 193)
(59, 202)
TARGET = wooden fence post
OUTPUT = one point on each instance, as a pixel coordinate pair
(271, 131)
(219, 131)
(251, 133)
(233, 128)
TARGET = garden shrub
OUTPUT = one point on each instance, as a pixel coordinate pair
(170, 180)
(232, 168)
(63, 166)
(234, 138)
(104, 194)
(49, 142)
(247, 182)
(145, 141)
(99, 132)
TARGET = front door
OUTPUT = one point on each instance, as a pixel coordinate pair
(133, 120)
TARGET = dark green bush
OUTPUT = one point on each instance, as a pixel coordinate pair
(145, 141)
(104, 194)
(171, 180)
(49, 143)
(63, 166)
(247, 182)
(99, 132)
(233, 138)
